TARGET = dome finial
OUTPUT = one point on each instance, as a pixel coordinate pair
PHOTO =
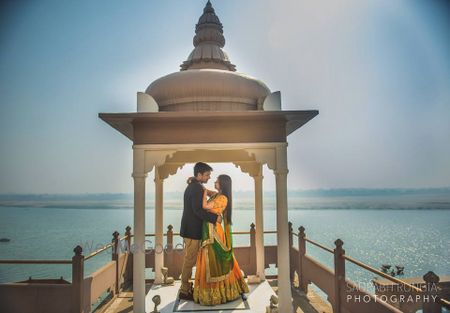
(208, 43)
(208, 8)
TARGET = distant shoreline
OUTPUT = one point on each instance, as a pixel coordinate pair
(247, 209)
(332, 199)
(332, 192)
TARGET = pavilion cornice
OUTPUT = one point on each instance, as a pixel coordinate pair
(208, 126)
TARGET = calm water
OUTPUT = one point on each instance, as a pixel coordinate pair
(409, 230)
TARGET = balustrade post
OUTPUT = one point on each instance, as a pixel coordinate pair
(168, 258)
(430, 303)
(78, 280)
(291, 244)
(128, 239)
(252, 249)
(339, 275)
(128, 275)
(115, 258)
(303, 284)
(291, 235)
(115, 243)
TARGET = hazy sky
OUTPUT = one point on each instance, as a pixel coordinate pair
(378, 71)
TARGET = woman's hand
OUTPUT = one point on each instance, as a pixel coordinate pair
(209, 193)
(206, 205)
(212, 193)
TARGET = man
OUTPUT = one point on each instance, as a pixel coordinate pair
(191, 225)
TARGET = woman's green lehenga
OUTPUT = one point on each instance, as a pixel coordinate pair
(218, 278)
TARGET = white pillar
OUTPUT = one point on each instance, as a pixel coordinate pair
(138, 247)
(284, 281)
(159, 235)
(259, 220)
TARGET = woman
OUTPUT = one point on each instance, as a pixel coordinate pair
(218, 278)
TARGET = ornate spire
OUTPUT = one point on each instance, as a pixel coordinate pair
(208, 43)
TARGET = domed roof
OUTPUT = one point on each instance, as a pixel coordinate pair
(208, 90)
(207, 80)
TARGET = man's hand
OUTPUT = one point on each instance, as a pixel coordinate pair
(219, 219)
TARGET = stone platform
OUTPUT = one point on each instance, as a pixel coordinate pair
(257, 300)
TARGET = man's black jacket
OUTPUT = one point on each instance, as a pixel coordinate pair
(193, 212)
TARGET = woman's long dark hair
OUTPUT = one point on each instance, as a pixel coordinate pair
(225, 189)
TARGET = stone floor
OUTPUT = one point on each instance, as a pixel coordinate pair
(259, 294)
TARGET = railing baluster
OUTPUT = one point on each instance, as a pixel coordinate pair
(77, 280)
(115, 258)
(128, 239)
(431, 304)
(128, 276)
(252, 249)
(168, 258)
(291, 244)
(339, 274)
(303, 284)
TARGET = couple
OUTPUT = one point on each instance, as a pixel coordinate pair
(208, 244)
